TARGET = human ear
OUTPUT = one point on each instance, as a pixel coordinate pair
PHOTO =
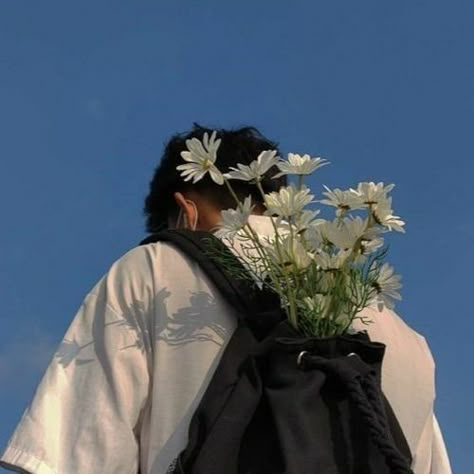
(188, 208)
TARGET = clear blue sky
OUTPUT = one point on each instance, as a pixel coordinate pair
(90, 90)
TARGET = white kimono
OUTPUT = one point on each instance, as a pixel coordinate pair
(122, 386)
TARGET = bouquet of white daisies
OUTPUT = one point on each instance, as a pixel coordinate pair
(324, 271)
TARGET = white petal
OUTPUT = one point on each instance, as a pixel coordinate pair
(216, 175)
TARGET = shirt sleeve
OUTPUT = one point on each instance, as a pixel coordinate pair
(439, 455)
(86, 412)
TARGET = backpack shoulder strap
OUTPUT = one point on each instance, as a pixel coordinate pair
(199, 246)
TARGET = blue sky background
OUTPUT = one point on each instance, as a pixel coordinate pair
(90, 90)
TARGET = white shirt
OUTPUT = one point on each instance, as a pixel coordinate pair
(134, 363)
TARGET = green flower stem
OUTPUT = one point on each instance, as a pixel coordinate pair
(229, 187)
(253, 236)
(358, 243)
(293, 315)
(300, 182)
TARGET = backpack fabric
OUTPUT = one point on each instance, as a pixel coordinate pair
(281, 403)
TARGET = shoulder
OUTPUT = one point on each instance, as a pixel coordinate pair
(138, 275)
(401, 339)
(408, 370)
(408, 362)
(144, 260)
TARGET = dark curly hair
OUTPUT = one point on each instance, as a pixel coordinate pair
(242, 145)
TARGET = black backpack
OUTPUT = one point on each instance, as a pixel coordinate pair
(281, 403)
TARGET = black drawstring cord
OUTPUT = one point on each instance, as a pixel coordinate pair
(363, 390)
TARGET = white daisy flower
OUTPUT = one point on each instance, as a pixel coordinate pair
(326, 282)
(233, 220)
(387, 286)
(201, 158)
(302, 221)
(327, 261)
(318, 303)
(382, 212)
(344, 234)
(288, 201)
(301, 165)
(368, 246)
(256, 169)
(343, 201)
(371, 193)
(313, 236)
(290, 253)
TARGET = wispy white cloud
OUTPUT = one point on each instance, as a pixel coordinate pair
(24, 358)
